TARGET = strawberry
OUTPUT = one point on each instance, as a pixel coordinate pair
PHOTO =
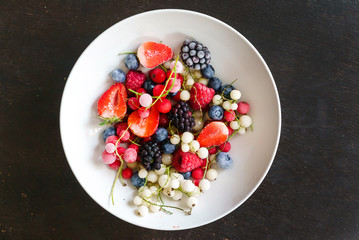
(213, 134)
(186, 161)
(135, 79)
(112, 104)
(152, 54)
(144, 127)
(201, 96)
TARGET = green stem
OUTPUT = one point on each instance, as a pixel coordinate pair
(123, 53)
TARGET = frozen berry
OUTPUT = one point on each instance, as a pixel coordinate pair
(130, 155)
(131, 61)
(145, 100)
(160, 134)
(108, 132)
(124, 135)
(243, 107)
(224, 160)
(215, 112)
(208, 72)
(115, 165)
(229, 115)
(108, 158)
(215, 83)
(118, 76)
(134, 146)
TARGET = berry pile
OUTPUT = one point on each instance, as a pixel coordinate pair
(170, 128)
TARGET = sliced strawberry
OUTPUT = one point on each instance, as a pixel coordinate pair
(215, 133)
(144, 127)
(152, 54)
(112, 104)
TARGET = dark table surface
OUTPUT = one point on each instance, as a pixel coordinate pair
(311, 191)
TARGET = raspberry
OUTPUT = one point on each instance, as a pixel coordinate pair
(201, 96)
(135, 79)
(186, 161)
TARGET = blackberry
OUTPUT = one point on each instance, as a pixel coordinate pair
(181, 117)
(195, 55)
(150, 155)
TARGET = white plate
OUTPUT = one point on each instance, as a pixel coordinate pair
(233, 57)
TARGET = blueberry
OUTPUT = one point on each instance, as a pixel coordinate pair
(118, 75)
(215, 83)
(186, 175)
(216, 112)
(172, 94)
(224, 160)
(148, 85)
(208, 72)
(137, 181)
(108, 132)
(168, 147)
(160, 134)
(227, 89)
(132, 62)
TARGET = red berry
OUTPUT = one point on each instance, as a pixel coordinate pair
(225, 147)
(197, 173)
(127, 173)
(135, 79)
(186, 161)
(196, 182)
(157, 75)
(140, 90)
(134, 146)
(230, 130)
(229, 115)
(124, 135)
(177, 97)
(204, 164)
(178, 76)
(143, 112)
(121, 150)
(134, 103)
(115, 165)
(112, 139)
(201, 96)
(212, 150)
(158, 89)
(164, 105)
(243, 107)
(164, 120)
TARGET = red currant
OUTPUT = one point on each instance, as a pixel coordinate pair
(157, 75)
(127, 173)
(197, 173)
(164, 105)
(212, 150)
(158, 90)
(133, 103)
(225, 147)
(229, 115)
(115, 165)
(243, 107)
(134, 146)
(140, 90)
